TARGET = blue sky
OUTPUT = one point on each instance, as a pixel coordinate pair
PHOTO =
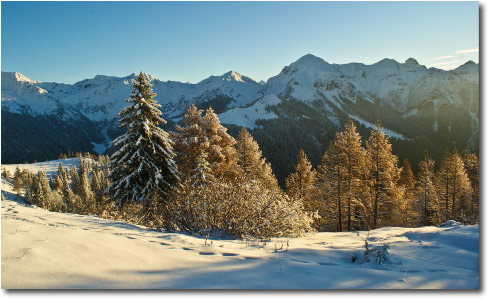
(189, 41)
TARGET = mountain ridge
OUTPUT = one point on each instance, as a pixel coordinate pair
(305, 103)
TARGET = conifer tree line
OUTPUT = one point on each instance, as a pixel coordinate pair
(364, 187)
(200, 179)
(72, 190)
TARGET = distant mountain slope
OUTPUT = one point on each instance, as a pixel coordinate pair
(302, 106)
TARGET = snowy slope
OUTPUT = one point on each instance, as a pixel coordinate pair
(247, 116)
(41, 249)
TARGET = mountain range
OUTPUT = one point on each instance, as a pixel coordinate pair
(301, 107)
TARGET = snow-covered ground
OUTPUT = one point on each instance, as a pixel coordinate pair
(42, 249)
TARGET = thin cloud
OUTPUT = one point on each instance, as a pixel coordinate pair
(442, 57)
(443, 63)
(472, 50)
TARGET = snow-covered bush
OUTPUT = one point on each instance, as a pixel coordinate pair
(239, 208)
(379, 254)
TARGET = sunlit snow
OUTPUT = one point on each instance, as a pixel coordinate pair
(42, 249)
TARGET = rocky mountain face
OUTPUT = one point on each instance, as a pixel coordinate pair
(301, 107)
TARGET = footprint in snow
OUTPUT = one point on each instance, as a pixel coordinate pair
(186, 248)
(251, 258)
(326, 264)
(229, 254)
(206, 253)
(299, 261)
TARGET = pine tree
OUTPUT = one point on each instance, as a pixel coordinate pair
(331, 182)
(454, 187)
(252, 162)
(222, 154)
(202, 174)
(5, 173)
(443, 184)
(58, 183)
(52, 183)
(46, 199)
(384, 174)
(343, 179)
(426, 192)
(96, 186)
(61, 170)
(300, 185)
(205, 133)
(471, 165)
(190, 140)
(17, 180)
(143, 164)
(461, 191)
(409, 207)
(86, 195)
(75, 181)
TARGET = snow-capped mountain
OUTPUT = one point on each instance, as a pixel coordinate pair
(304, 104)
(102, 97)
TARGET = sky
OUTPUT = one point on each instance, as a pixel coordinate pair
(67, 42)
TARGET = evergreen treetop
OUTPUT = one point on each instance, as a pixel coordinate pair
(144, 164)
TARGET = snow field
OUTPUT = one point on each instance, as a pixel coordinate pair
(48, 250)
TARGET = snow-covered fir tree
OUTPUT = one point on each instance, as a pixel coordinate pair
(58, 183)
(201, 175)
(75, 180)
(86, 194)
(17, 180)
(143, 164)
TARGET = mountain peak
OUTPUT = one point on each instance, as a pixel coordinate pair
(309, 60)
(469, 66)
(235, 76)
(17, 76)
(411, 61)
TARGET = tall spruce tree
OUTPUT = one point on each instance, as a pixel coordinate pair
(330, 181)
(75, 180)
(443, 182)
(409, 207)
(252, 162)
(343, 175)
(17, 180)
(300, 185)
(190, 140)
(461, 190)
(384, 174)
(143, 164)
(454, 187)
(426, 192)
(471, 164)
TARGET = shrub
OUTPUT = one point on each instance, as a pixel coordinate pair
(239, 208)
